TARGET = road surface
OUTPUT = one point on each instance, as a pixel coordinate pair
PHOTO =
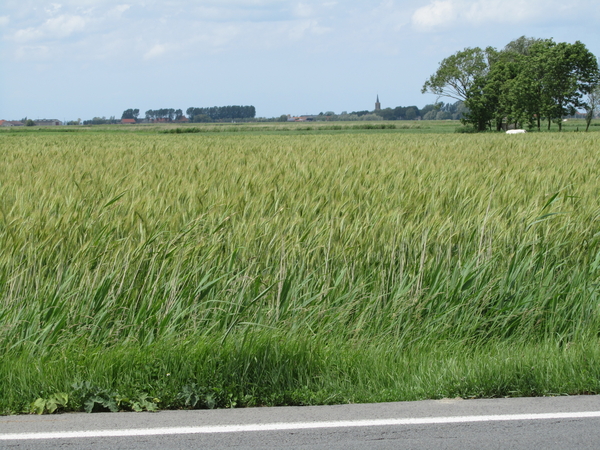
(523, 423)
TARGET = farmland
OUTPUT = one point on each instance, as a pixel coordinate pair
(142, 269)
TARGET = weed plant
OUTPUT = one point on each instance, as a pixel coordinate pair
(198, 270)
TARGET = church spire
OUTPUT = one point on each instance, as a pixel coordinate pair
(377, 104)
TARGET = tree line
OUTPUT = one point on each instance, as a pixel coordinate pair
(437, 111)
(167, 114)
(211, 114)
(220, 113)
(529, 81)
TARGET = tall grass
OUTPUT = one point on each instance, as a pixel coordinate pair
(339, 252)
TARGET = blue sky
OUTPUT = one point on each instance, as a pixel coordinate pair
(79, 59)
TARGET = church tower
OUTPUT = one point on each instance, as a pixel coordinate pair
(377, 104)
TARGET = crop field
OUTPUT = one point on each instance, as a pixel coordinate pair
(143, 270)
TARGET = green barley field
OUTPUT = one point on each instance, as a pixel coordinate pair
(146, 270)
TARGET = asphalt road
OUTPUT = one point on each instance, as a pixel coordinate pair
(525, 423)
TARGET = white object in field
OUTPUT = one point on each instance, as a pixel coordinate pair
(516, 131)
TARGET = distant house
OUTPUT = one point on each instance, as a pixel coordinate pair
(47, 122)
(182, 119)
(11, 123)
(128, 121)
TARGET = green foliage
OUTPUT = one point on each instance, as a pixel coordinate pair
(194, 396)
(49, 405)
(142, 402)
(457, 73)
(221, 113)
(466, 129)
(529, 80)
(130, 114)
(96, 399)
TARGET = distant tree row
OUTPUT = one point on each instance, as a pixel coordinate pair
(220, 113)
(399, 113)
(167, 114)
(444, 111)
(101, 121)
(437, 111)
(528, 81)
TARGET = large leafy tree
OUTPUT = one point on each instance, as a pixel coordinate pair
(458, 73)
(572, 72)
(528, 80)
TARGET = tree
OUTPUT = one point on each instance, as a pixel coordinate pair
(592, 106)
(457, 74)
(528, 80)
(386, 114)
(130, 114)
(571, 71)
(521, 45)
(201, 118)
(481, 104)
(519, 86)
(427, 108)
(411, 113)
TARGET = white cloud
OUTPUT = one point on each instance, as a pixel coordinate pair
(118, 11)
(53, 8)
(508, 11)
(33, 53)
(149, 29)
(437, 13)
(156, 51)
(54, 28)
(442, 13)
(213, 13)
(65, 25)
(303, 10)
(300, 30)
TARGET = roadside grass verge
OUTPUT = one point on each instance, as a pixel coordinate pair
(267, 371)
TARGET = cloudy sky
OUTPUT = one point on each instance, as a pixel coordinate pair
(79, 59)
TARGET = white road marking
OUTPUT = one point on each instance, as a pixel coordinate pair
(282, 426)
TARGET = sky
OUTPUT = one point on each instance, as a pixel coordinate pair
(86, 58)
